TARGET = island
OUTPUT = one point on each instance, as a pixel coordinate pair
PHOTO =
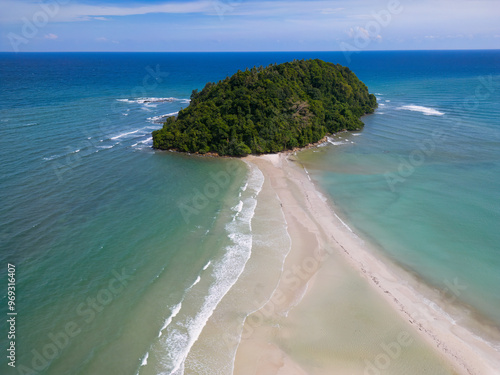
(268, 109)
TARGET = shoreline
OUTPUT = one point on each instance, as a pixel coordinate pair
(323, 236)
(289, 151)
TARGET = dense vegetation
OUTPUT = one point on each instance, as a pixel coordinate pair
(270, 109)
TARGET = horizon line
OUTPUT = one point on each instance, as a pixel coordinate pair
(290, 51)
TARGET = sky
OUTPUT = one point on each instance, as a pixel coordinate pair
(244, 25)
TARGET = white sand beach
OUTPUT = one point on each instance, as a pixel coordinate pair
(341, 308)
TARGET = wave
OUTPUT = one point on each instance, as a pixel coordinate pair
(439, 310)
(107, 142)
(425, 110)
(334, 142)
(307, 174)
(153, 100)
(52, 157)
(147, 100)
(137, 133)
(159, 119)
(206, 265)
(147, 142)
(93, 144)
(124, 134)
(195, 282)
(166, 323)
(226, 272)
(238, 207)
(322, 196)
(145, 359)
(342, 221)
(88, 150)
(30, 124)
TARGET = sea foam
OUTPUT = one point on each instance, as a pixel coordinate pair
(335, 142)
(153, 100)
(175, 311)
(124, 134)
(161, 118)
(425, 110)
(226, 272)
(145, 359)
(148, 142)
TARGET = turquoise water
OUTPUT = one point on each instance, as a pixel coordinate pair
(122, 252)
(422, 179)
(107, 235)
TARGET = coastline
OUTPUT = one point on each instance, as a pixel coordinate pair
(324, 254)
(216, 155)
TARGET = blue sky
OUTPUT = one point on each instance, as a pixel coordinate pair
(239, 25)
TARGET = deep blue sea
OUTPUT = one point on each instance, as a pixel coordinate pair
(122, 252)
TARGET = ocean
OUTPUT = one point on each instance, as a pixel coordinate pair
(122, 253)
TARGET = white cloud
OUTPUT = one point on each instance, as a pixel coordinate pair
(259, 22)
(362, 33)
(331, 10)
(50, 36)
(14, 11)
(280, 8)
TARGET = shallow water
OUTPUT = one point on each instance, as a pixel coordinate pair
(421, 180)
(122, 246)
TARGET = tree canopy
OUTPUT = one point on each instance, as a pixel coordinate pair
(266, 110)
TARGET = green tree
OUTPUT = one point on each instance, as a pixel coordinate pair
(270, 109)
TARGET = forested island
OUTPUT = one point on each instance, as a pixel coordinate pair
(267, 110)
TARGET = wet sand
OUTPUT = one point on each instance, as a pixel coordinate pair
(338, 308)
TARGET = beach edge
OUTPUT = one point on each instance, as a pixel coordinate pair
(464, 351)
